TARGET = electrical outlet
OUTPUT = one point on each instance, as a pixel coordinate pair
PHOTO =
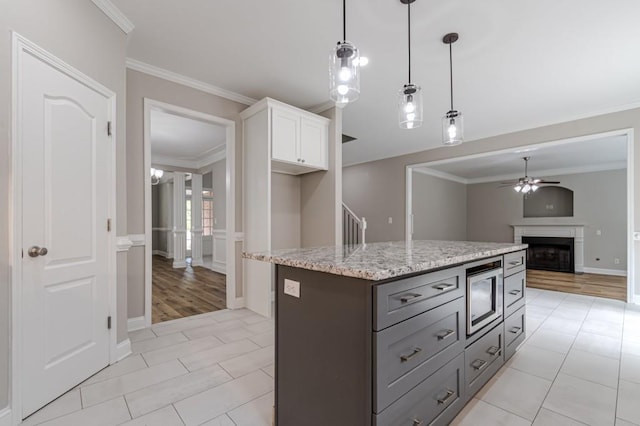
(598, 232)
(292, 288)
(390, 220)
(616, 261)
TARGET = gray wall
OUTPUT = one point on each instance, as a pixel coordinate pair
(599, 202)
(218, 184)
(161, 214)
(439, 208)
(285, 211)
(140, 86)
(376, 190)
(77, 32)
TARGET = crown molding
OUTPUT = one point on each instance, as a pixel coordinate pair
(324, 107)
(441, 175)
(143, 67)
(116, 15)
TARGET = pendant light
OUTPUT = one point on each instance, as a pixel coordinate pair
(452, 122)
(344, 67)
(410, 96)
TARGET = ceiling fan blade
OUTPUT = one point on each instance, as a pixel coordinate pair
(513, 182)
(548, 182)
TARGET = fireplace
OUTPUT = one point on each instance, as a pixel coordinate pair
(550, 253)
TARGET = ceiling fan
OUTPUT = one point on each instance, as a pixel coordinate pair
(528, 184)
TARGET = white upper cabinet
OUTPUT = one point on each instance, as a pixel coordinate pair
(313, 143)
(285, 131)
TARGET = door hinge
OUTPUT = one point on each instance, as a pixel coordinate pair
(108, 225)
(109, 322)
(108, 128)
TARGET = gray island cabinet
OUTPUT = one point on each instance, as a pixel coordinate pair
(391, 334)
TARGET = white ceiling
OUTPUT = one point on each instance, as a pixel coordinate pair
(607, 153)
(517, 64)
(184, 142)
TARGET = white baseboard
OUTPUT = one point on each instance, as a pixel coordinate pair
(137, 323)
(197, 262)
(161, 253)
(273, 296)
(218, 267)
(5, 417)
(238, 303)
(182, 264)
(601, 271)
(123, 350)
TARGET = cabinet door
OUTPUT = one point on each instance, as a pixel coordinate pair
(313, 143)
(285, 133)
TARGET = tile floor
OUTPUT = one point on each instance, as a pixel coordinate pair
(579, 365)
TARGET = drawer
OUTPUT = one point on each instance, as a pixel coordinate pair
(435, 401)
(482, 359)
(515, 287)
(514, 331)
(515, 262)
(398, 300)
(409, 352)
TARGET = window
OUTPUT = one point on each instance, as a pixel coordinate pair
(207, 212)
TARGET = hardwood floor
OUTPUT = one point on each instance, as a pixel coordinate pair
(183, 292)
(609, 286)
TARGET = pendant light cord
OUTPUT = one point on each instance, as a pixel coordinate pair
(344, 20)
(409, 37)
(451, 73)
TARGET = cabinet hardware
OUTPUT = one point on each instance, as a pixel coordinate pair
(443, 287)
(447, 397)
(514, 292)
(516, 263)
(405, 358)
(515, 330)
(478, 364)
(417, 422)
(443, 335)
(409, 297)
(493, 350)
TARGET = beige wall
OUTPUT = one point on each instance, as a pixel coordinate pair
(219, 178)
(376, 190)
(439, 208)
(492, 209)
(140, 86)
(77, 32)
(285, 211)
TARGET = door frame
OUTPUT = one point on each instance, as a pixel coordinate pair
(22, 46)
(627, 132)
(230, 194)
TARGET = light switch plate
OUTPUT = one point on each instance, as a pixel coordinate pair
(292, 288)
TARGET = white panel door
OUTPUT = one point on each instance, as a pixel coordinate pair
(64, 301)
(313, 143)
(285, 134)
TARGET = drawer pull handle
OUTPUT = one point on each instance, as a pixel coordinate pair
(409, 297)
(493, 350)
(515, 263)
(447, 397)
(443, 287)
(417, 422)
(515, 292)
(405, 358)
(515, 330)
(478, 364)
(444, 334)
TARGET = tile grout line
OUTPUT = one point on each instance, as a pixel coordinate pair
(246, 403)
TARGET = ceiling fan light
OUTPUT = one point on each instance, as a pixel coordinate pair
(534, 187)
(526, 188)
(344, 73)
(452, 128)
(517, 188)
(410, 106)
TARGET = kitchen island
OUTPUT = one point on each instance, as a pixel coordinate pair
(400, 333)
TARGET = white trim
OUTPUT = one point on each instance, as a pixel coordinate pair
(441, 175)
(197, 164)
(5, 417)
(188, 81)
(408, 223)
(136, 323)
(123, 243)
(230, 141)
(115, 15)
(628, 132)
(137, 240)
(239, 303)
(22, 45)
(161, 253)
(601, 271)
(239, 236)
(123, 350)
(324, 107)
(217, 267)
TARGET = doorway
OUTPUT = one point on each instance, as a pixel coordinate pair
(189, 220)
(572, 159)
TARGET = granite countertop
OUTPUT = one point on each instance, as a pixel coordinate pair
(379, 261)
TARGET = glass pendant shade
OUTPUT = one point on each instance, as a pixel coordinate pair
(344, 73)
(452, 128)
(410, 106)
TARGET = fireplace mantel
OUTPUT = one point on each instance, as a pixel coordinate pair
(565, 230)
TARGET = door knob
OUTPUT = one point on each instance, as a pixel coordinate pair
(36, 251)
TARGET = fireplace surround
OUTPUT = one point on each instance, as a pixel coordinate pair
(559, 230)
